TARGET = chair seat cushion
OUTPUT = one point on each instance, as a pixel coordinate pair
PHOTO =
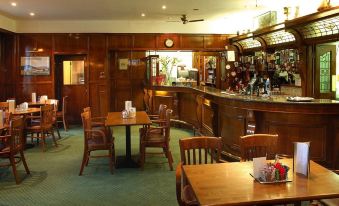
(188, 196)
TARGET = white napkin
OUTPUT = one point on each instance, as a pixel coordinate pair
(33, 97)
(25, 105)
(132, 112)
(11, 107)
(43, 98)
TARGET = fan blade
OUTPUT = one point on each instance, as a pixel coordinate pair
(196, 20)
(173, 21)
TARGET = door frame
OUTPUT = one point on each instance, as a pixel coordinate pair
(58, 75)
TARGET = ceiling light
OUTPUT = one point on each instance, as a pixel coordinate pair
(13, 4)
(143, 14)
(31, 14)
(163, 7)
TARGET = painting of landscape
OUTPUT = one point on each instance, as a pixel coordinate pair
(35, 66)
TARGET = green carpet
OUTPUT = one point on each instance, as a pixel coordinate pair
(54, 176)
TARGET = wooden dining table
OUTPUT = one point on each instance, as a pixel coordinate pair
(232, 184)
(115, 119)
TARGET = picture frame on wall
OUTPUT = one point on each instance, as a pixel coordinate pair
(123, 64)
(35, 65)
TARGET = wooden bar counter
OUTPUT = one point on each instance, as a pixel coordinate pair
(213, 112)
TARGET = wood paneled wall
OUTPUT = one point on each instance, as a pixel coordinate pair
(108, 86)
(7, 51)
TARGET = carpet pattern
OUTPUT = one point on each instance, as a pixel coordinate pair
(54, 176)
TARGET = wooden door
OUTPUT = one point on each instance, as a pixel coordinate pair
(72, 81)
(325, 67)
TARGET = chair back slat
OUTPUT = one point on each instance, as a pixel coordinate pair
(258, 145)
(47, 116)
(210, 146)
(64, 105)
(16, 133)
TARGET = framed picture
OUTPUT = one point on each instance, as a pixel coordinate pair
(35, 66)
(264, 20)
(123, 64)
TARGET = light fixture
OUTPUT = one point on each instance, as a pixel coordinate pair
(13, 3)
(163, 7)
(143, 14)
(31, 13)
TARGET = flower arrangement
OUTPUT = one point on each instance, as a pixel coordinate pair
(274, 172)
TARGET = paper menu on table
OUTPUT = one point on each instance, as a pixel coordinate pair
(259, 164)
(11, 105)
(301, 157)
(128, 105)
(34, 97)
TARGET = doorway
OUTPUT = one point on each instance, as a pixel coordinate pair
(325, 68)
(71, 80)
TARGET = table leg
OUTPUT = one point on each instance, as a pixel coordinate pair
(127, 161)
(128, 143)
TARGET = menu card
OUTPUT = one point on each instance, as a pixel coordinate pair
(128, 105)
(259, 164)
(11, 105)
(302, 157)
(33, 97)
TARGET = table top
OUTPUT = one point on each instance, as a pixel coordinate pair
(27, 111)
(115, 119)
(231, 184)
(36, 104)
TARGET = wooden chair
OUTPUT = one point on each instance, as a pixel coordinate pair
(45, 126)
(55, 104)
(95, 139)
(13, 146)
(258, 145)
(195, 150)
(96, 121)
(160, 115)
(61, 115)
(4, 106)
(157, 137)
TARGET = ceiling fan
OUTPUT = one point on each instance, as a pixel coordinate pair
(184, 19)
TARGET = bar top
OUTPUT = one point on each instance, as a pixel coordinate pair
(236, 96)
(274, 103)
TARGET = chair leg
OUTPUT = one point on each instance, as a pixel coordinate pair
(142, 156)
(84, 160)
(57, 129)
(87, 160)
(54, 140)
(169, 157)
(24, 162)
(110, 161)
(43, 141)
(65, 123)
(12, 160)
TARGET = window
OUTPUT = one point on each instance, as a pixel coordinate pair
(325, 73)
(73, 72)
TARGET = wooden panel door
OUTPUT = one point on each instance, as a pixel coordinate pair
(77, 91)
(325, 66)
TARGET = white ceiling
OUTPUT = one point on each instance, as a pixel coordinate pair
(123, 9)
